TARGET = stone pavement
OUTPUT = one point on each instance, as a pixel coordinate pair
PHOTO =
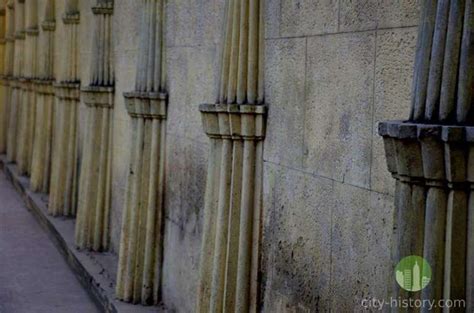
(34, 277)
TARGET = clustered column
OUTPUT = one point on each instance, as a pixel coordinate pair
(64, 159)
(26, 118)
(141, 242)
(92, 227)
(236, 128)
(432, 154)
(15, 58)
(3, 79)
(9, 62)
(42, 144)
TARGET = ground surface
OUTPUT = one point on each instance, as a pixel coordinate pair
(34, 278)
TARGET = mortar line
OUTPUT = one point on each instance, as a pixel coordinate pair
(342, 32)
(373, 112)
(315, 175)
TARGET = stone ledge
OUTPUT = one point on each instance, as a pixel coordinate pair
(45, 86)
(430, 154)
(71, 18)
(146, 105)
(48, 25)
(98, 96)
(67, 90)
(95, 271)
(411, 130)
(233, 121)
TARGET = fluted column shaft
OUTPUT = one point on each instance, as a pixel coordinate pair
(3, 80)
(28, 97)
(139, 272)
(236, 128)
(43, 139)
(64, 179)
(92, 225)
(16, 35)
(431, 156)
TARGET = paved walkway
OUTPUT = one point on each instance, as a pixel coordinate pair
(34, 278)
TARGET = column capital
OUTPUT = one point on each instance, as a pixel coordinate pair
(234, 121)
(71, 18)
(98, 96)
(103, 7)
(146, 104)
(429, 154)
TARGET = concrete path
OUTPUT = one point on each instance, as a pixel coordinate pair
(34, 278)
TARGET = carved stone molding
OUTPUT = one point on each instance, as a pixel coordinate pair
(434, 169)
(97, 96)
(233, 121)
(230, 252)
(146, 105)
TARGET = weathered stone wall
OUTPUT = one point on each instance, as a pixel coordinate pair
(333, 69)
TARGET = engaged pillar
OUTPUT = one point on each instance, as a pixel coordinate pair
(432, 155)
(235, 126)
(92, 225)
(64, 175)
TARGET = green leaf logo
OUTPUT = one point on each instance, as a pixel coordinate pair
(413, 273)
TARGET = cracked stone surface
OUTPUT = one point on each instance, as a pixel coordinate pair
(33, 275)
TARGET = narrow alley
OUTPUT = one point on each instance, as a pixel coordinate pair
(34, 277)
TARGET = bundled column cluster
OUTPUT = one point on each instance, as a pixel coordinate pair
(3, 79)
(40, 95)
(65, 156)
(43, 133)
(236, 128)
(432, 154)
(140, 256)
(92, 227)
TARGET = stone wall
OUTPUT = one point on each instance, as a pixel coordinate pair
(334, 68)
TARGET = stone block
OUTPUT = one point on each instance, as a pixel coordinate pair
(358, 15)
(285, 95)
(297, 239)
(308, 17)
(339, 104)
(192, 81)
(272, 18)
(393, 78)
(127, 18)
